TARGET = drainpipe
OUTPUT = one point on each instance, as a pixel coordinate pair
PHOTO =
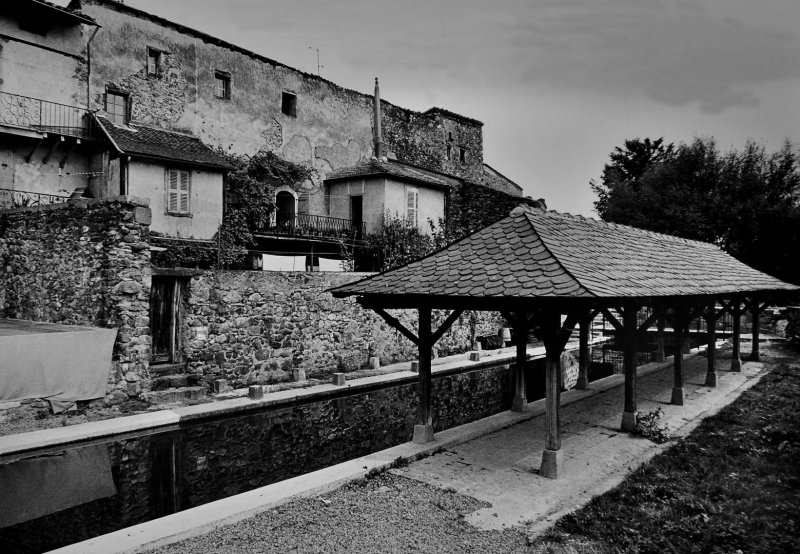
(89, 68)
(377, 122)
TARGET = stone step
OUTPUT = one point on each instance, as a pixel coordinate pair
(163, 382)
(175, 395)
(167, 369)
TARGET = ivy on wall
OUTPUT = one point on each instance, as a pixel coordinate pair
(249, 205)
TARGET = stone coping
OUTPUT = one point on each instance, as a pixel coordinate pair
(207, 517)
(79, 203)
(60, 438)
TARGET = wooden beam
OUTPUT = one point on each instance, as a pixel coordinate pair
(68, 153)
(584, 355)
(520, 401)
(617, 324)
(679, 327)
(454, 315)
(630, 342)
(29, 157)
(661, 325)
(393, 322)
(736, 339)
(552, 456)
(711, 352)
(53, 148)
(423, 432)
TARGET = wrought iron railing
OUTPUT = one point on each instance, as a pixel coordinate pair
(46, 117)
(307, 225)
(22, 198)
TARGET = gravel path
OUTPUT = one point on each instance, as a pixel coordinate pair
(384, 514)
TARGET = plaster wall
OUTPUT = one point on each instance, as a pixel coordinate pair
(17, 174)
(148, 180)
(29, 70)
(431, 202)
(373, 192)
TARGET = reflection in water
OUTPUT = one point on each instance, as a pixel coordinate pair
(34, 487)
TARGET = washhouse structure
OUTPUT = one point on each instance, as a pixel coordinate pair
(549, 272)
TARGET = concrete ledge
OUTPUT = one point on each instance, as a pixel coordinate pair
(62, 437)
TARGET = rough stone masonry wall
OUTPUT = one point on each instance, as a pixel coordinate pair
(84, 263)
(473, 206)
(258, 327)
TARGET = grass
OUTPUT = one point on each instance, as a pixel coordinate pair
(733, 485)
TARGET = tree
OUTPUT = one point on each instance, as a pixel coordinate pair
(746, 202)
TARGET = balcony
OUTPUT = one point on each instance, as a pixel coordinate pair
(311, 226)
(21, 198)
(45, 117)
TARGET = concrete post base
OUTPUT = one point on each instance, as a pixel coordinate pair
(582, 384)
(736, 365)
(519, 404)
(551, 461)
(628, 421)
(711, 379)
(660, 356)
(423, 434)
(678, 396)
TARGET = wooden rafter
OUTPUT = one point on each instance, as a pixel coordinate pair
(454, 315)
(394, 322)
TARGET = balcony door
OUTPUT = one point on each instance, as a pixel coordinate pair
(285, 209)
(357, 212)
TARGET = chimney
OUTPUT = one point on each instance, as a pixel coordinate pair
(376, 127)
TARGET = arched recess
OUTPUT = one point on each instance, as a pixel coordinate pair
(285, 206)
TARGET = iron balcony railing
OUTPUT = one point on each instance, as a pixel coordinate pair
(46, 117)
(21, 198)
(307, 225)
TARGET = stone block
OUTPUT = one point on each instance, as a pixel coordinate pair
(423, 434)
(629, 421)
(255, 392)
(375, 362)
(552, 460)
(339, 379)
(414, 367)
(475, 356)
(220, 385)
(298, 375)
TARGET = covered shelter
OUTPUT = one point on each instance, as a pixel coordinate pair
(549, 271)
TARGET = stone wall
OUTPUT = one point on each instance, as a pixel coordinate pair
(84, 263)
(473, 206)
(258, 327)
(222, 457)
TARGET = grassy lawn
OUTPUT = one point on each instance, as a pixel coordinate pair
(733, 485)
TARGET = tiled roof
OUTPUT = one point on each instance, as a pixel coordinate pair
(148, 142)
(535, 253)
(388, 167)
(453, 115)
(65, 10)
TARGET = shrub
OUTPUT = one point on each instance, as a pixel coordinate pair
(650, 426)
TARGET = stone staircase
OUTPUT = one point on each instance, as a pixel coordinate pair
(172, 385)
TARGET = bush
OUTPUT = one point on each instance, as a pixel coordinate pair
(650, 426)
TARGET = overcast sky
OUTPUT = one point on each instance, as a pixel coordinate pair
(557, 83)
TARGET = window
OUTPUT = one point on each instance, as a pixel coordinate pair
(117, 107)
(153, 62)
(222, 84)
(289, 104)
(179, 187)
(449, 151)
(412, 206)
(462, 155)
(449, 136)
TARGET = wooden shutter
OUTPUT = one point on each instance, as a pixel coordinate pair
(184, 192)
(412, 206)
(172, 190)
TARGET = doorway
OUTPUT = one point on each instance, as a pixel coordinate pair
(284, 209)
(165, 296)
(357, 213)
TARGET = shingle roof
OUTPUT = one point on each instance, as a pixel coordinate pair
(387, 167)
(148, 142)
(535, 253)
(65, 10)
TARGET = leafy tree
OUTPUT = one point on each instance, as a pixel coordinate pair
(746, 202)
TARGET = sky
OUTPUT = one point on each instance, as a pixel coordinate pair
(557, 83)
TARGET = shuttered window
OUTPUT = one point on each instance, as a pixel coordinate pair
(412, 207)
(179, 187)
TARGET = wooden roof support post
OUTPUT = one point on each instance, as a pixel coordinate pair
(736, 339)
(661, 325)
(680, 327)
(423, 432)
(711, 352)
(584, 352)
(521, 326)
(630, 343)
(756, 307)
(555, 338)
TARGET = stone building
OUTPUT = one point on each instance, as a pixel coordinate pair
(105, 99)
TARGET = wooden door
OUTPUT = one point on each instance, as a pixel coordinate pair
(164, 299)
